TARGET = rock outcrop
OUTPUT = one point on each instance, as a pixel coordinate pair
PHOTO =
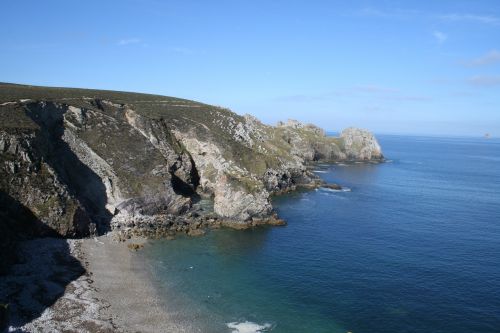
(360, 145)
(78, 162)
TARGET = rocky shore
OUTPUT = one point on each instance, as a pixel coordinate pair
(78, 163)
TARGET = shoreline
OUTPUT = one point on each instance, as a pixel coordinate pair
(127, 286)
(114, 292)
(87, 285)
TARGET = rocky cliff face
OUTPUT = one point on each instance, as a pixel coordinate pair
(360, 145)
(84, 161)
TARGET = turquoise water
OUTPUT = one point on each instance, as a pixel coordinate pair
(414, 247)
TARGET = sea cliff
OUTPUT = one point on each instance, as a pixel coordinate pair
(75, 162)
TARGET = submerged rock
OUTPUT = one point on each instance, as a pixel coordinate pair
(195, 232)
(135, 246)
(332, 186)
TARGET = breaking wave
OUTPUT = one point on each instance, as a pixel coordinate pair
(248, 327)
(344, 189)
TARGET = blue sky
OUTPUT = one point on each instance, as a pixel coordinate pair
(416, 67)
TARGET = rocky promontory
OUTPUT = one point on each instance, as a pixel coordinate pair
(75, 162)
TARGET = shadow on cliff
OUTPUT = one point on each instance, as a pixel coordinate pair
(82, 182)
(34, 273)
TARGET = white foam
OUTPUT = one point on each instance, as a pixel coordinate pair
(248, 327)
(344, 189)
(320, 171)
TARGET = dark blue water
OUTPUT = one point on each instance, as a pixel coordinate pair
(414, 247)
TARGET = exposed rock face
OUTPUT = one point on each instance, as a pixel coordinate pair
(28, 180)
(80, 159)
(310, 142)
(360, 144)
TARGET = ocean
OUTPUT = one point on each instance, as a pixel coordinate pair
(412, 245)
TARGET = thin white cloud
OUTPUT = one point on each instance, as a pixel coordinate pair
(463, 94)
(182, 50)
(484, 80)
(410, 98)
(375, 89)
(440, 37)
(388, 14)
(400, 14)
(357, 92)
(485, 19)
(128, 41)
(389, 93)
(374, 108)
(490, 58)
(369, 11)
(308, 98)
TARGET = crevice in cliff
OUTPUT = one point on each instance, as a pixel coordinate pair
(97, 103)
(195, 176)
(181, 187)
(186, 188)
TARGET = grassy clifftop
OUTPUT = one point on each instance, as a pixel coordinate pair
(153, 106)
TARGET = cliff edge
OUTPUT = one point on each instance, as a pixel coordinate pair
(75, 162)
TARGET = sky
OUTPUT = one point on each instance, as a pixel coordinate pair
(400, 67)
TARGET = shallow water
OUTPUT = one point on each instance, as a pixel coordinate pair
(414, 247)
